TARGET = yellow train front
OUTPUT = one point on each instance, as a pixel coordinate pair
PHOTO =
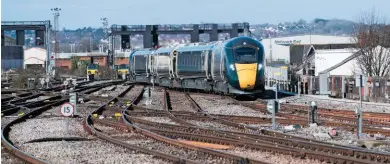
(123, 70)
(92, 70)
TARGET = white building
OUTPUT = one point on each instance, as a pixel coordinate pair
(34, 57)
(280, 47)
(325, 59)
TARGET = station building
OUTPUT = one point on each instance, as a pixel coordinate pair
(304, 53)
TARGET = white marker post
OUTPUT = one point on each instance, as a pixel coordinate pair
(42, 82)
(67, 110)
(66, 84)
(47, 80)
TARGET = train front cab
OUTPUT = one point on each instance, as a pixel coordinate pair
(123, 69)
(139, 62)
(92, 71)
(243, 67)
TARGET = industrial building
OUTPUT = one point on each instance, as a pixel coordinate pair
(64, 60)
(304, 53)
(290, 49)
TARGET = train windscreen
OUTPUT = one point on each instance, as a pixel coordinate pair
(245, 55)
(93, 66)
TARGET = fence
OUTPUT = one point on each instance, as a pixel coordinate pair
(376, 89)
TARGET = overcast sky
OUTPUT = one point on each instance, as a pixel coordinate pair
(81, 13)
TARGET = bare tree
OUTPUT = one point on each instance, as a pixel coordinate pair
(372, 37)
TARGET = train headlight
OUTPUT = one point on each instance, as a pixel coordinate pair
(259, 67)
(232, 67)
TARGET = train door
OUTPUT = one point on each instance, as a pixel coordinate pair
(174, 64)
(222, 65)
(209, 58)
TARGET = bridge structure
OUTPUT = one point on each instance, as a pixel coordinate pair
(42, 34)
(151, 32)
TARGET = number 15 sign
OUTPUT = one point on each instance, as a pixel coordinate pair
(67, 109)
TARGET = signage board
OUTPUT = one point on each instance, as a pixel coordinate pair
(67, 109)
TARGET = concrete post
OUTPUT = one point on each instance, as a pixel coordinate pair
(148, 36)
(195, 34)
(2, 37)
(234, 30)
(214, 33)
(20, 38)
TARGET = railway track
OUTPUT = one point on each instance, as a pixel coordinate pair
(350, 154)
(185, 136)
(31, 110)
(347, 123)
(221, 156)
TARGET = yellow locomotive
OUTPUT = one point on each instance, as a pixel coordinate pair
(123, 69)
(92, 70)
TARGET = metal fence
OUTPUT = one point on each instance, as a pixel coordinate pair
(376, 89)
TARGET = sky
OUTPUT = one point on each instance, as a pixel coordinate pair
(85, 13)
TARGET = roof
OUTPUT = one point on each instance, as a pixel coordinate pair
(69, 55)
(142, 52)
(38, 48)
(345, 50)
(195, 48)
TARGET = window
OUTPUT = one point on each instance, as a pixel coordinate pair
(245, 55)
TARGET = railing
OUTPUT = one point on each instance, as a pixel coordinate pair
(224, 26)
(175, 27)
(128, 27)
(36, 23)
(178, 27)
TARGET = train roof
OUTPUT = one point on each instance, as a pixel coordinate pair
(165, 49)
(142, 52)
(195, 47)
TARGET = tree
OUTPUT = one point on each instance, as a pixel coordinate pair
(372, 37)
(75, 62)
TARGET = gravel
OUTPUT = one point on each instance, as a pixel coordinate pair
(212, 125)
(269, 157)
(214, 105)
(87, 152)
(151, 144)
(38, 98)
(179, 102)
(6, 120)
(133, 93)
(46, 127)
(343, 137)
(6, 157)
(155, 101)
(337, 104)
(164, 120)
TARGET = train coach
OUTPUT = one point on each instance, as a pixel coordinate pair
(235, 66)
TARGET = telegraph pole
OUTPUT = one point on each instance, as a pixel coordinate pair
(56, 14)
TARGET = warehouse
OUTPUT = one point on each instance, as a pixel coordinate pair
(290, 49)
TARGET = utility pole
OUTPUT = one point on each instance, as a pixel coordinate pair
(56, 14)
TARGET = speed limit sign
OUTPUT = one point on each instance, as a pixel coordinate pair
(67, 109)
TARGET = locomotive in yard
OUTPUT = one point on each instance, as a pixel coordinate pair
(123, 69)
(92, 70)
(235, 66)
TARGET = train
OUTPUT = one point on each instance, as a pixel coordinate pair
(92, 70)
(235, 66)
(123, 69)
